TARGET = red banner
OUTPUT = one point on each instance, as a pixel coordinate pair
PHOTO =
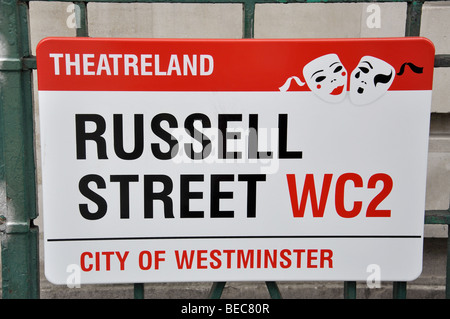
(100, 64)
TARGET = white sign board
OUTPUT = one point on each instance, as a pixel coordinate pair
(233, 160)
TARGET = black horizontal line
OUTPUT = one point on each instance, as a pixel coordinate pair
(229, 237)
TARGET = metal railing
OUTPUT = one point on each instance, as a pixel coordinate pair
(20, 237)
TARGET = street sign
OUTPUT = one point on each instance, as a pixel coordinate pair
(233, 160)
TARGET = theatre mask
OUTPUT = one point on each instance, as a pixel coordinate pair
(370, 80)
(327, 78)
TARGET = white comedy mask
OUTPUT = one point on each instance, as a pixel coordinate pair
(327, 78)
(370, 80)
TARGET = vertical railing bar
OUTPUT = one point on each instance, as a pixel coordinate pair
(447, 275)
(25, 35)
(19, 242)
(249, 19)
(273, 289)
(81, 19)
(34, 280)
(413, 18)
(350, 289)
(399, 290)
(138, 291)
(216, 290)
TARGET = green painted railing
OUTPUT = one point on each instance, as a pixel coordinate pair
(20, 237)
